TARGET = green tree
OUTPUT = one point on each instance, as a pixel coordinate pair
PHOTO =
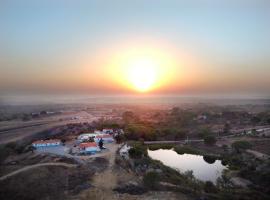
(241, 145)
(226, 128)
(210, 140)
(137, 151)
(204, 132)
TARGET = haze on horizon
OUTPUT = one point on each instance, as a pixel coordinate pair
(129, 47)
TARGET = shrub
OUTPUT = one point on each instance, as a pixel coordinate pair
(186, 149)
(160, 146)
(209, 187)
(137, 151)
(241, 145)
(151, 180)
(119, 139)
(209, 159)
(210, 140)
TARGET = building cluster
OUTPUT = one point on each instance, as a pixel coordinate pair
(89, 142)
(86, 143)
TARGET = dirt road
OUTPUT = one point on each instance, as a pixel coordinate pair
(32, 167)
(107, 179)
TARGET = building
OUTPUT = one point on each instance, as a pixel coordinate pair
(88, 147)
(105, 137)
(46, 143)
(107, 131)
(86, 136)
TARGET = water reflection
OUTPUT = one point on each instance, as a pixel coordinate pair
(204, 168)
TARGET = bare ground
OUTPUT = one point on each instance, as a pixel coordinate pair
(106, 181)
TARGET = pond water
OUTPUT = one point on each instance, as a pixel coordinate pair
(202, 170)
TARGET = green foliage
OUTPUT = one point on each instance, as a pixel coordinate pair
(186, 149)
(224, 182)
(241, 145)
(209, 159)
(151, 180)
(119, 139)
(160, 146)
(226, 128)
(210, 140)
(137, 131)
(209, 187)
(137, 151)
(15, 147)
(204, 132)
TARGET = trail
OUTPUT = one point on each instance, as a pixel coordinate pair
(32, 167)
(107, 179)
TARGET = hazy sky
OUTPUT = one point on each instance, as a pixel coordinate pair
(76, 46)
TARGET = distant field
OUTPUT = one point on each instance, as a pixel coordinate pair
(11, 131)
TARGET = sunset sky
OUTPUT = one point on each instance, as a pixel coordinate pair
(143, 46)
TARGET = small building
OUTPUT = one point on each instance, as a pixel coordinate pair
(46, 143)
(86, 136)
(107, 138)
(88, 148)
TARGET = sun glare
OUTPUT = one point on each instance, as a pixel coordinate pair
(142, 68)
(142, 74)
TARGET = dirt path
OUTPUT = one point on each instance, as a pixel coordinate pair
(104, 182)
(107, 179)
(34, 166)
(258, 155)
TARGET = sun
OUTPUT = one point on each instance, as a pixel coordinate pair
(142, 74)
(141, 68)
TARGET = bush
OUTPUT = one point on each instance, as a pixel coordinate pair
(204, 132)
(151, 180)
(209, 159)
(210, 140)
(119, 139)
(241, 145)
(138, 151)
(209, 187)
(160, 146)
(186, 149)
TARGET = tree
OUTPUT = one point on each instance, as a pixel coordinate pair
(241, 145)
(137, 152)
(226, 128)
(209, 159)
(119, 138)
(204, 132)
(210, 140)
(31, 148)
(179, 135)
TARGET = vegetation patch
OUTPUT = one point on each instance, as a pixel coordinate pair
(153, 147)
(241, 145)
(186, 149)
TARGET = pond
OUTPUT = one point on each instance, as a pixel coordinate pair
(203, 169)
